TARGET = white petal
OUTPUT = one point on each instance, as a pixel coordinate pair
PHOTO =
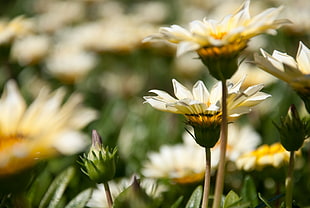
(284, 58)
(216, 93)
(70, 142)
(253, 89)
(162, 95)
(303, 58)
(12, 107)
(180, 91)
(186, 46)
(200, 92)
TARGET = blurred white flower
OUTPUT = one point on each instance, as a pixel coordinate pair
(70, 64)
(181, 163)
(185, 163)
(17, 27)
(98, 198)
(30, 49)
(241, 139)
(54, 15)
(253, 75)
(46, 128)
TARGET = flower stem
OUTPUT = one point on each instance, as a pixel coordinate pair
(289, 182)
(108, 194)
(219, 185)
(206, 189)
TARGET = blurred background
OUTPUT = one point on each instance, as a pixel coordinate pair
(94, 47)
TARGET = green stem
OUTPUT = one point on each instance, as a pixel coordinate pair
(108, 194)
(206, 189)
(219, 185)
(289, 182)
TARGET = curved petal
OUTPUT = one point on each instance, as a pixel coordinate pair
(200, 92)
(180, 91)
(12, 107)
(303, 58)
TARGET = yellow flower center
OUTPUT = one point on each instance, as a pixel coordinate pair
(204, 119)
(8, 141)
(190, 178)
(219, 35)
(227, 50)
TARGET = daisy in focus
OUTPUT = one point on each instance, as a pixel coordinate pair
(202, 107)
(293, 71)
(266, 155)
(226, 37)
(46, 128)
(203, 110)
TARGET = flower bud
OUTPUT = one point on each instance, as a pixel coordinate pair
(293, 131)
(207, 130)
(99, 163)
(221, 64)
(305, 96)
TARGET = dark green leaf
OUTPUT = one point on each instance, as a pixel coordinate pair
(56, 189)
(231, 199)
(177, 203)
(264, 200)
(195, 199)
(248, 191)
(80, 200)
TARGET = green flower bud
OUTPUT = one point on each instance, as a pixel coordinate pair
(99, 163)
(207, 128)
(293, 131)
(222, 62)
(305, 96)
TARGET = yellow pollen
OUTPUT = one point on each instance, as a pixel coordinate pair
(219, 35)
(204, 118)
(225, 50)
(7, 141)
(190, 178)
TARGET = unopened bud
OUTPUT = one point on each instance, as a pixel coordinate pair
(99, 163)
(292, 130)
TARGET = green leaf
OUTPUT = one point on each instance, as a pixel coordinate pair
(248, 191)
(80, 200)
(195, 199)
(231, 199)
(178, 202)
(56, 189)
(264, 200)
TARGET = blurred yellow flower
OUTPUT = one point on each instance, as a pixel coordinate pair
(266, 155)
(46, 128)
(225, 37)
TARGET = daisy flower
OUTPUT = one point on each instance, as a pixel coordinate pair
(293, 71)
(46, 128)
(225, 37)
(98, 198)
(185, 163)
(204, 107)
(266, 155)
